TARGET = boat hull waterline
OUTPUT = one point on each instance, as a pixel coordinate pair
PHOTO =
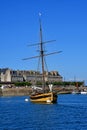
(49, 97)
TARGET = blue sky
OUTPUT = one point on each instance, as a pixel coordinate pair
(62, 20)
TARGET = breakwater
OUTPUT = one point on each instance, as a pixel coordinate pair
(15, 91)
(24, 91)
(1, 92)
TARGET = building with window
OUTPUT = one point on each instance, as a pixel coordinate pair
(9, 75)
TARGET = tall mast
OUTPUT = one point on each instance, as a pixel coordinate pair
(42, 55)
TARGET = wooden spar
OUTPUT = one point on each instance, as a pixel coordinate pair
(43, 55)
(43, 43)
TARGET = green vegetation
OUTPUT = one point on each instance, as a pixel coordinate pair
(38, 83)
(22, 84)
(66, 83)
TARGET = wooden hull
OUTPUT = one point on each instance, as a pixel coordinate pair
(49, 97)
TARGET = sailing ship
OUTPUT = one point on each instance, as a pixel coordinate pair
(40, 94)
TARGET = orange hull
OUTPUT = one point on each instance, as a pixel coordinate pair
(49, 97)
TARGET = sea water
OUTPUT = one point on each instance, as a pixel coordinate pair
(69, 113)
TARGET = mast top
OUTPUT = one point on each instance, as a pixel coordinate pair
(40, 22)
(40, 14)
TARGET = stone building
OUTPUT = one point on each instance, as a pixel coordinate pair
(9, 75)
(5, 75)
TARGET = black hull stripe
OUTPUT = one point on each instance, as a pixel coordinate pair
(45, 96)
(39, 97)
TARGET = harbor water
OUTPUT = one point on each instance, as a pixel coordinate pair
(70, 113)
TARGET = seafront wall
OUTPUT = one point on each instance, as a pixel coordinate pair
(24, 91)
(15, 91)
(1, 92)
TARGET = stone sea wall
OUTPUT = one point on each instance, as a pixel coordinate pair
(15, 91)
(1, 92)
(24, 91)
